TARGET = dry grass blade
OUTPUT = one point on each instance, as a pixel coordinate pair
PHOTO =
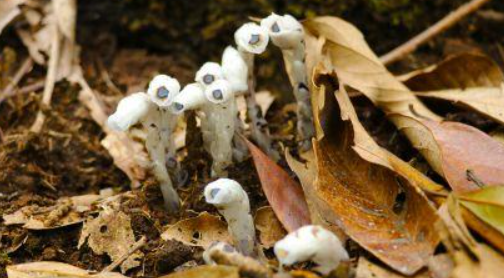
(54, 269)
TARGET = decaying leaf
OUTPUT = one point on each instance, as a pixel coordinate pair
(472, 80)
(269, 227)
(461, 71)
(488, 101)
(54, 269)
(263, 98)
(367, 269)
(67, 211)
(201, 231)
(346, 53)
(468, 158)
(285, 195)
(207, 271)
(111, 233)
(375, 206)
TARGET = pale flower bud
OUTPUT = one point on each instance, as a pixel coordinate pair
(191, 97)
(219, 92)
(163, 89)
(285, 31)
(130, 111)
(235, 69)
(311, 243)
(252, 38)
(233, 203)
(208, 73)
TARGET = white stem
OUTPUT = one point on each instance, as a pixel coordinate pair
(156, 149)
(259, 126)
(220, 122)
(296, 69)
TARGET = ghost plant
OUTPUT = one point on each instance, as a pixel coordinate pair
(287, 33)
(208, 73)
(251, 40)
(150, 110)
(217, 103)
(233, 203)
(311, 243)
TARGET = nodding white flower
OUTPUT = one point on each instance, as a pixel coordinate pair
(163, 89)
(191, 97)
(220, 91)
(252, 38)
(130, 111)
(284, 31)
(208, 73)
(311, 243)
(235, 69)
(233, 203)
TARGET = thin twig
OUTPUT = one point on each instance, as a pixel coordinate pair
(441, 26)
(52, 71)
(120, 260)
(22, 71)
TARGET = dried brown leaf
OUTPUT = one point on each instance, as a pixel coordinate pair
(269, 227)
(111, 233)
(284, 194)
(207, 271)
(201, 231)
(54, 269)
(367, 269)
(379, 209)
(461, 71)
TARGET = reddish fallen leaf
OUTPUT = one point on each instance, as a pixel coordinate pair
(468, 158)
(374, 205)
(284, 194)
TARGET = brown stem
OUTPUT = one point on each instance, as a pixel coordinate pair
(441, 26)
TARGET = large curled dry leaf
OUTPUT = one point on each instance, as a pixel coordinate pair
(54, 269)
(346, 52)
(201, 231)
(472, 80)
(284, 194)
(379, 209)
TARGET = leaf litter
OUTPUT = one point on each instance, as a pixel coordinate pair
(348, 182)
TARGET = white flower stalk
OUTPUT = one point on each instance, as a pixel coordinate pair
(311, 243)
(232, 202)
(221, 117)
(208, 73)
(252, 39)
(217, 122)
(139, 108)
(287, 33)
(235, 72)
(162, 90)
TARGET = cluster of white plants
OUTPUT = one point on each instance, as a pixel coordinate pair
(213, 97)
(308, 243)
